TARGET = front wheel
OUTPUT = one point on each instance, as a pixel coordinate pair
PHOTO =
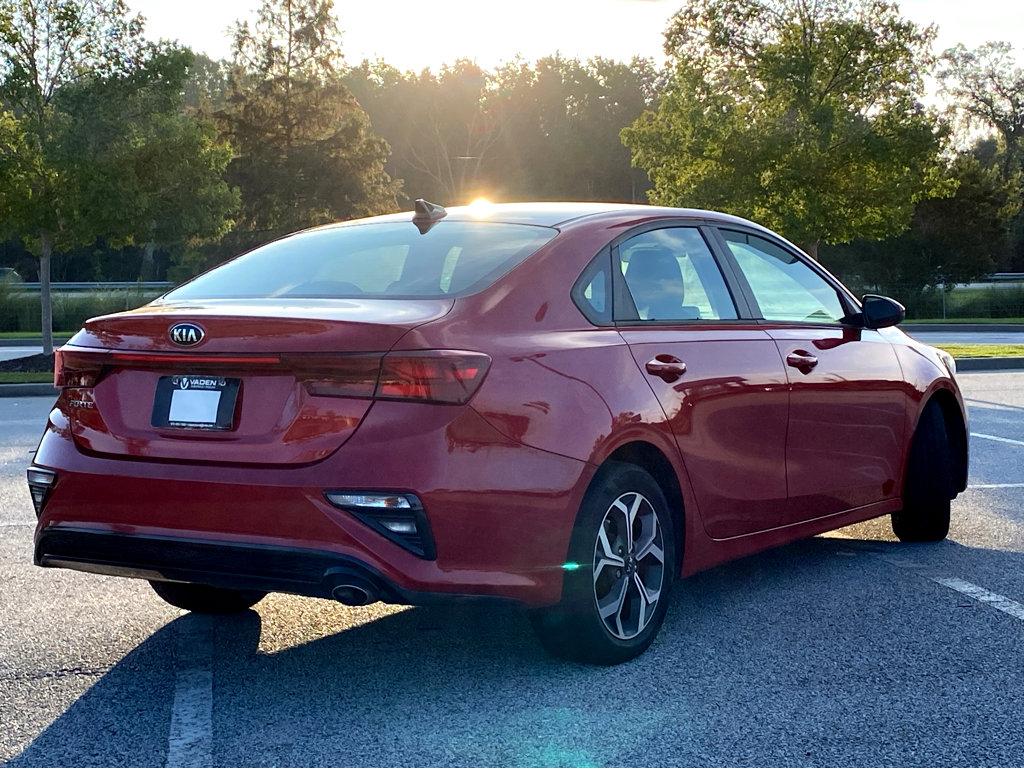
(927, 490)
(622, 561)
(205, 599)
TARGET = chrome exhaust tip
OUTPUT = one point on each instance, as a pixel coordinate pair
(353, 595)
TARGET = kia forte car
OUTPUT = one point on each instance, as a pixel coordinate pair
(569, 406)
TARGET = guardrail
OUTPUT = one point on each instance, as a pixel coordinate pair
(110, 285)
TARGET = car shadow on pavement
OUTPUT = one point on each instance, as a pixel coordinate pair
(815, 653)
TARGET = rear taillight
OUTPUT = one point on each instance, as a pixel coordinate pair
(430, 376)
(343, 376)
(435, 376)
(75, 375)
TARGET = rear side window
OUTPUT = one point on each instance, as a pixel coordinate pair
(385, 260)
(786, 289)
(672, 275)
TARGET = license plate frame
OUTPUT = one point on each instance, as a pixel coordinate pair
(195, 402)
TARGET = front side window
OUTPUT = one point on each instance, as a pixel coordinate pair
(786, 289)
(382, 260)
(672, 275)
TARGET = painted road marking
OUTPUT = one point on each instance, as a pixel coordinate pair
(962, 586)
(980, 594)
(996, 486)
(997, 438)
(190, 737)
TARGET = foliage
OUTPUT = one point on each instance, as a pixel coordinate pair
(544, 131)
(803, 116)
(951, 240)
(19, 309)
(560, 122)
(304, 151)
(153, 173)
(46, 46)
(987, 90)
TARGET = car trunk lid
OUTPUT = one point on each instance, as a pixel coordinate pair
(278, 366)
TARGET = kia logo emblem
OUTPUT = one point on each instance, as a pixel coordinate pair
(186, 334)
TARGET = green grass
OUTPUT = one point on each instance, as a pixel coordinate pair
(25, 377)
(984, 350)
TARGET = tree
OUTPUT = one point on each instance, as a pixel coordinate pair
(153, 173)
(548, 130)
(987, 90)
(15, 171)
(939, 249)
(304, 150)
(560, 121)
(46, 46)
(800, 114)
(440, 134)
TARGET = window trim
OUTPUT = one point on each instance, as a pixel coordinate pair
(846, 298)
(576, 293)
(624, 300)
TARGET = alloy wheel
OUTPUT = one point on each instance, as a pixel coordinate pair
(629, 565)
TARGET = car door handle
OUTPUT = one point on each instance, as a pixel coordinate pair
(668, 367)
(801, 360)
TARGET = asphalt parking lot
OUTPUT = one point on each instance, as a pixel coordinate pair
(846, 649)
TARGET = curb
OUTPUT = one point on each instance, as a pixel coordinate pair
(27, 390)
(989, 364)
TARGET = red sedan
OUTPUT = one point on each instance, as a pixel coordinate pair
(566, 405)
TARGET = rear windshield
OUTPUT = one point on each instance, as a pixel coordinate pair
(390, 260)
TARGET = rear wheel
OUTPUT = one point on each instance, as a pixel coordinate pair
(927, 490)
(205, 599)
(622, 561)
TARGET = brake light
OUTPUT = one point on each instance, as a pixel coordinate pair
(344, 376)
(70, 370)
(75, 376)
(431, 376)
(436, 376)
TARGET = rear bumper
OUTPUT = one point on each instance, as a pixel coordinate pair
(500, 513)
(313, 573)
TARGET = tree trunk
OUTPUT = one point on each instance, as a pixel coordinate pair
(45, 300)
(148, 263)
(810, 248)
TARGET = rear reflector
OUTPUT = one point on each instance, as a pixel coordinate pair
(40, 482)
(399, 517)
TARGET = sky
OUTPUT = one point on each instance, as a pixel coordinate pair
(413, 34)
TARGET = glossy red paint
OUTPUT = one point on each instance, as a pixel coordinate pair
(764, 450)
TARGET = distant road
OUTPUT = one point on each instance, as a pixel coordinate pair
(10, 353)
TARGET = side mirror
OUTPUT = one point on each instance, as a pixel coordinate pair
(881, 311)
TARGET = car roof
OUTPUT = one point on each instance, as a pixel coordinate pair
(554, 214)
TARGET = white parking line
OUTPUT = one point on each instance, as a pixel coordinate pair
(996, 486)
(980, 594)
(969, 589)
(997, 438)
(190, 737)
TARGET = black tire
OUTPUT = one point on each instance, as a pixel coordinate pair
(574, 629)
(204, 599)
(927, 491)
